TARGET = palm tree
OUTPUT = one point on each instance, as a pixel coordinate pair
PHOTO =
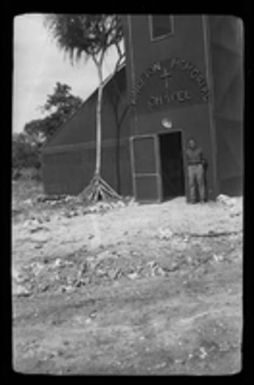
(84, 37)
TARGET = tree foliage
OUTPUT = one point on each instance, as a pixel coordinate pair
(27, 145)
(24, 153)
(86, 36)
(90, 36)
(59, 107)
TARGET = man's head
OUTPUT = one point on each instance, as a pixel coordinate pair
(192, 143)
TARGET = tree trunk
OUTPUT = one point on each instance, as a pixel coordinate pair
(98, 123)
(98, 188)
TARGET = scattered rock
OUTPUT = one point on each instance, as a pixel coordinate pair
(20, 291)
(226, 200)
(92, 209)
(161, 365)
(57, 263)
(119, 204)
(132, 202)
(151, 264)
(114, 273)
(178, 361)
(165, 233)
(37, 228)
(160, 271)
(101, 273)
(71, 214)
(104, 255)
(18, 276)
(37, 268)
(133, 276)
(235, 211)
(93, 314)
(26, 224)
(38, 246)
(203, 352)
(28, 201)
(66, 289)
(82, 271)
(44, 287)
(218, 258)
(154, 269)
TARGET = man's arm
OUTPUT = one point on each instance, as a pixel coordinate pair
(203, 161)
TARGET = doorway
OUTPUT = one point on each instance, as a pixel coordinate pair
(172, 169)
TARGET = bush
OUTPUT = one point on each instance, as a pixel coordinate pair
(27, 173)
(24, 154)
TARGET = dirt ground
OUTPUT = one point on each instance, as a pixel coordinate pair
(135, 289)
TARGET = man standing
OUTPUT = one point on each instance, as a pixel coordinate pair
(195, 164)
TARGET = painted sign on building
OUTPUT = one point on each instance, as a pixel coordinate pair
(172, 83)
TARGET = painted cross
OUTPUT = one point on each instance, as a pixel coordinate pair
(166, 75)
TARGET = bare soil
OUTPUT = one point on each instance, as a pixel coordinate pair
(137, 289)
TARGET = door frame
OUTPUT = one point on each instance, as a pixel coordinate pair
(157, 174)
(174, 131)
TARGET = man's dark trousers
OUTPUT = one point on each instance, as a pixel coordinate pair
(196, 174)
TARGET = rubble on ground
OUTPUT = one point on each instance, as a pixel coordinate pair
(70, 273)
(232, 204)
(165, 233)
(20, 290)
(226, 200)
(75, 205)
(107, 265)
(63, 206)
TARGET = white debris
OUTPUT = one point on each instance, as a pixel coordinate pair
(160, 271)
(104, 254)
(161, 365)
(132, 202)
(225, 199)
(119, 204)
(16, 274)
(133, 275)
(203, 352)
(28, 201)
(20, 290)
(37, 268)
(57, 263)
(66, 289)
(165, 233)
(217, 258)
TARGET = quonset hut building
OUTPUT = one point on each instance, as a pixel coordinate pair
(183, 78)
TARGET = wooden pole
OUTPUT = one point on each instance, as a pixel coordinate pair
(98, 123)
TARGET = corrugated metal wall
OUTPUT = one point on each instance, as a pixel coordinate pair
(69, 158)
(226, 34)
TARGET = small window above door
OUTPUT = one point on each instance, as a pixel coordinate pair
(160, 26)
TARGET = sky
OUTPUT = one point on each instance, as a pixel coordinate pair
(39, 64)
